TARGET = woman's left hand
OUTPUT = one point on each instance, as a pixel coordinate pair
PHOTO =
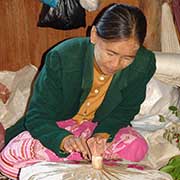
(77, 144)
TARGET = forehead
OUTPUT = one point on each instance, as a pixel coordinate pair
(125, 46)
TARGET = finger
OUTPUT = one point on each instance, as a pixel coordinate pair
(74, 143)
(93, 146)
(106, 156)
(98, 139)
(78, 145)
(70, 145)
(115, 156)
(96, 146)
(109, 147)
(67, 147)
(101, 141)
(85, 145)
(99, 146)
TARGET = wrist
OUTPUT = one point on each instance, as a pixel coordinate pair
(62, 142)
(102, 135)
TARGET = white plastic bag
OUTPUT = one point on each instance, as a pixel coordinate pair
(19, 84)
(90, 5)
(160, 149)
(159, 97)
(168, 68)
(62, 171)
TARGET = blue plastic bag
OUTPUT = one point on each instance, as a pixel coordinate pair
(51, 3)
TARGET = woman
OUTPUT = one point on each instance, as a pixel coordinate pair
(88, 89)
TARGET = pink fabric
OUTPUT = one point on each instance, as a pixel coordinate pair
(129, 144)
(23, 150)
(84, 129)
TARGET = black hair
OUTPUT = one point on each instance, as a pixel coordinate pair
(121, 21)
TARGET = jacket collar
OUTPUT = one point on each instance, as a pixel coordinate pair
(87, 79)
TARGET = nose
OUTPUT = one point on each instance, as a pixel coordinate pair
(115, 63)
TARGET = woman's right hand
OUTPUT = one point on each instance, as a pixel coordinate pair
(97, 145)
(77, 144)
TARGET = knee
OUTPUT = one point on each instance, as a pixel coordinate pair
(128, 144)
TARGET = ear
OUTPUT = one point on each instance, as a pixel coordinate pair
(93, 35)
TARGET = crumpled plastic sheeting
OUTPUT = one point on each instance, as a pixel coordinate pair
(159, 97)
(64, 171)
(168, 68)
(160, 149)
(19, 84)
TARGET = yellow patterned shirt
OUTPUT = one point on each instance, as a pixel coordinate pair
(97, 93)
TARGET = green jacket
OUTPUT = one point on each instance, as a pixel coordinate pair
(64, 83)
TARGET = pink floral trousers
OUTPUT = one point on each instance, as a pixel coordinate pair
(23, 150)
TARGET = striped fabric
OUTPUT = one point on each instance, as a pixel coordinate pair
(23, 150)
(169, 38)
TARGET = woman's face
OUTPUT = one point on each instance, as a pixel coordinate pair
(112, 56)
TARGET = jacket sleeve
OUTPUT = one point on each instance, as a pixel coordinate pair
(133, 96)
(45, 105)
